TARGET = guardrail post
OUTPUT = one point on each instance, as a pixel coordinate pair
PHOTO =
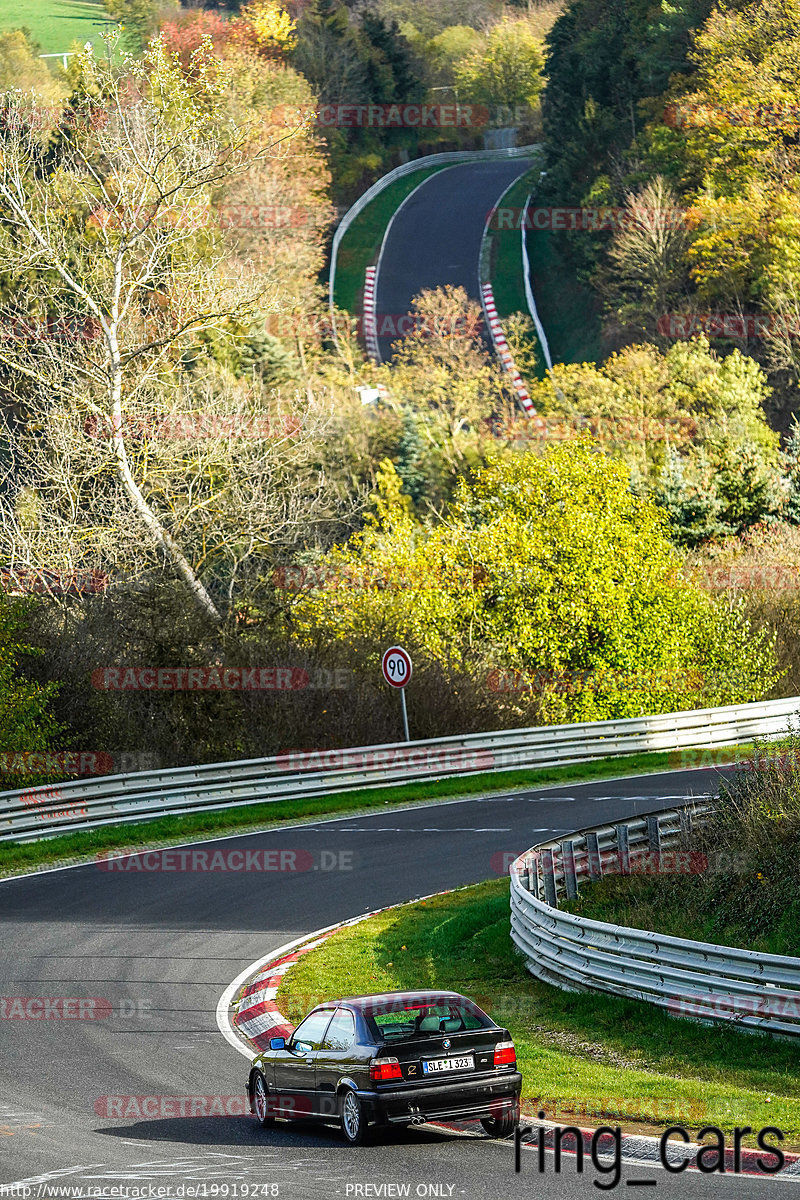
(594, 860)
(85, 804)
(549, 877)
(685, 817)
(654, 834)
(533, 876)
(570, 875)
(729, 986)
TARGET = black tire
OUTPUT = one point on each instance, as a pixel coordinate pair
(503, 1126)
(260, 1098)
(353, 1119)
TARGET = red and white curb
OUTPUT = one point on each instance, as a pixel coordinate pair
(370, 315)
(247, 1017)
(504, 353)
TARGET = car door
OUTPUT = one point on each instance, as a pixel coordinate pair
(294, 1067)
(334, 1059)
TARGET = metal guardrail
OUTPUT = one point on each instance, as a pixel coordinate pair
(529, 297)
(82, 804)
(692, 979)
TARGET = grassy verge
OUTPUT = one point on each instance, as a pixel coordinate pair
(56, 24)
(18, 857)
(680, 907)
(506, 276)
(569, 312)
(361, 243)
(504, 254)
(744, 889)
(583, 1058)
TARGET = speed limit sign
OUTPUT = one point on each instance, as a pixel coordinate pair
(396, 667)
(397, 672)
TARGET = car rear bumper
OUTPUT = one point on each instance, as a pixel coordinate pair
(490, 1096)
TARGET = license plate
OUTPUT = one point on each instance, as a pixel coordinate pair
(438, 1066)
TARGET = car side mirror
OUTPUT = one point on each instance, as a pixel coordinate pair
(300, 1047)
(277, 1043)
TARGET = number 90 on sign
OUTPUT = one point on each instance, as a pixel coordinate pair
(396, 667)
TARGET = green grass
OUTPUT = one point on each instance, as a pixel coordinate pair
(567, 309)
(362, 242)
(56, 24)
(680, 906)
(16, 857)
(505, 273)
(505, 259)
(583, 1057)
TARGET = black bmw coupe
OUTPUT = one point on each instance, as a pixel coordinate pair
(397, 1058)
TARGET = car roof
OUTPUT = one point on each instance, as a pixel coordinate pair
(378, 998)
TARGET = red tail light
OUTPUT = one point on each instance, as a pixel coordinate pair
(505, 1055)
(383, 1069)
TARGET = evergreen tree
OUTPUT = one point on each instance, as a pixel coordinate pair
(392, 72)
(693, 511)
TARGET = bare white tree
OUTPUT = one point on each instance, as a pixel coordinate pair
(232, 468)
(647, 256)
(117, 267)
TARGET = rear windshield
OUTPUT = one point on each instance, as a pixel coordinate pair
(399, 1020)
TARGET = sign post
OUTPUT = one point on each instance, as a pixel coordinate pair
(396, 667)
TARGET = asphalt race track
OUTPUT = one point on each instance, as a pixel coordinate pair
(435, 238)
(161, 948)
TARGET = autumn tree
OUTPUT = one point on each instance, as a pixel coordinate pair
(506, 71)
(450, 47)
(134, 287)
(139, 20)
(23, 70)
(548, 565)
(648, 275)
(643, 403)
(448, 388)
(726, 137)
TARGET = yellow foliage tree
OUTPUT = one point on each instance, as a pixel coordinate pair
(270, 27)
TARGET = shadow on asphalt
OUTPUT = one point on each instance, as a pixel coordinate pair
(245, 1131)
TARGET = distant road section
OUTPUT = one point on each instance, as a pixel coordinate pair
(435, 238)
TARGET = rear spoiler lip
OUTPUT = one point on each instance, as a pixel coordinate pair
(388, 1048)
